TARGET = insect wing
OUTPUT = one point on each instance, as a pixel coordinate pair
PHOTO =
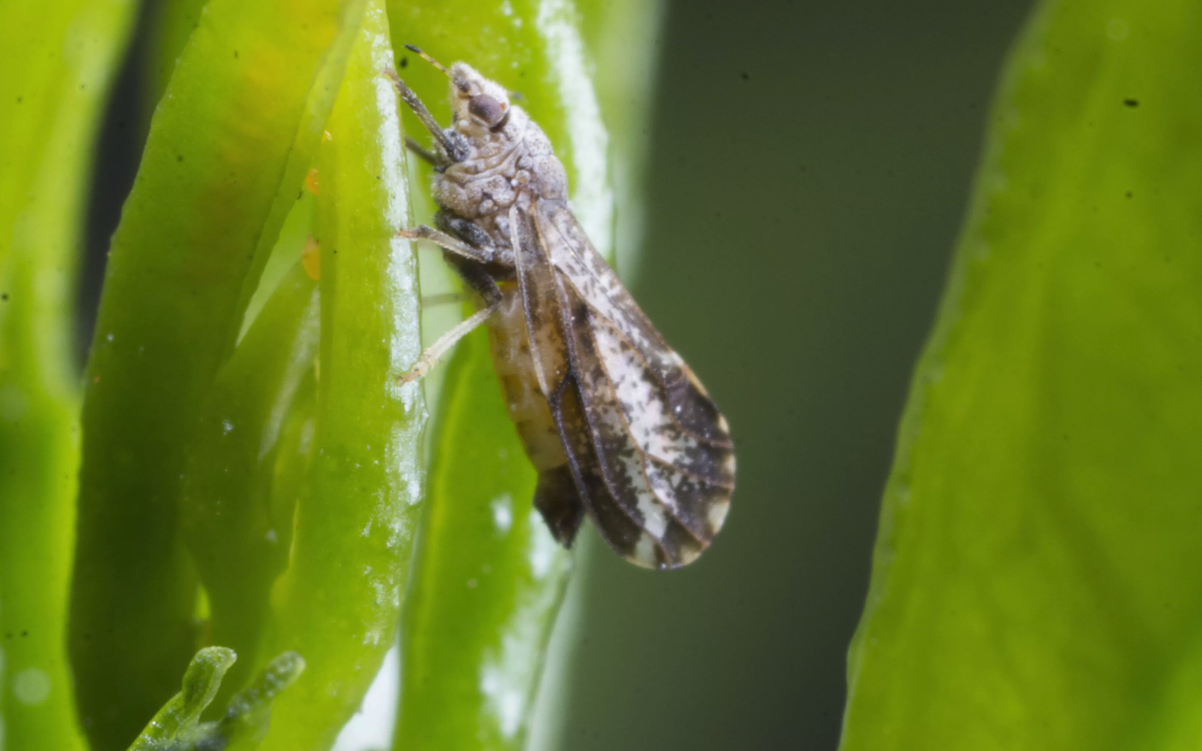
(540, 304)
(563, 493)
(662, 445)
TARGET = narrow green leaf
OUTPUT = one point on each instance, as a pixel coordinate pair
(490, 579)
(60, 58)
(223, 162)
(171, 23)
(237, 519)
(338, 603)
(1034, 583)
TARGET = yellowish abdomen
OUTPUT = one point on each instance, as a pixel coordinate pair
(527, 404)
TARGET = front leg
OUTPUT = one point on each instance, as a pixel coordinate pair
(484, 254)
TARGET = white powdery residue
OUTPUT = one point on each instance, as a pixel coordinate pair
(392, 150)
(385, 599)
(502, 512)
(390, 504)
(593, 198)
(406, 337)
(402, 454)
(406, 345)
(371, 638)
(391, 512)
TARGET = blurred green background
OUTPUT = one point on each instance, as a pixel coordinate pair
(810, 166)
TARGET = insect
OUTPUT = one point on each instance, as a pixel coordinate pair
(614, 421)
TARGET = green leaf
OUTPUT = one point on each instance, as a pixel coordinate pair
(490, 581)
(237, 506)
(59, 60)
(338, 603)
(1034, 583)
(225, 157)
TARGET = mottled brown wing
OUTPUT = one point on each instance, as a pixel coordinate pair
(564, 493)
(662, 448)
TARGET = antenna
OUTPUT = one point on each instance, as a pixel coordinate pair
(459, 82)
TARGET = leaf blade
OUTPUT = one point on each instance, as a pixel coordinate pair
(1026, 586)
(338, 604)
(61, 58)
(207, 196)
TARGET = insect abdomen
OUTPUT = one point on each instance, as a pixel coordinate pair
(527, 405)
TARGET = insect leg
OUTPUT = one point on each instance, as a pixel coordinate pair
(445, 342)
(444, 298)
(438, 160)
(464, 229)
(487, 288)
(453, 244)
(555, 402)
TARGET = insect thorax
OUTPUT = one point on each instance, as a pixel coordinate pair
(513, 165)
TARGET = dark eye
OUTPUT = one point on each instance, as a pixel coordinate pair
(487, 109)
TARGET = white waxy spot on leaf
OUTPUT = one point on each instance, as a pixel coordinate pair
(31, 686)
(502, 512)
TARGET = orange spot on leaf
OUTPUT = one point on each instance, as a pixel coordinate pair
(311, 259)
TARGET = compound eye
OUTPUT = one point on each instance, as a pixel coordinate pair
(488, 110)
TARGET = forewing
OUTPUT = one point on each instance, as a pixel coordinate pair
(582, 267)
(548, 331)
(540, 303)
(663, 449)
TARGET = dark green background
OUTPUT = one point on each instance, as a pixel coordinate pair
(802, 217)
(810, 167)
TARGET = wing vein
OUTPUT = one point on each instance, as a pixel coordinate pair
(720, 443)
